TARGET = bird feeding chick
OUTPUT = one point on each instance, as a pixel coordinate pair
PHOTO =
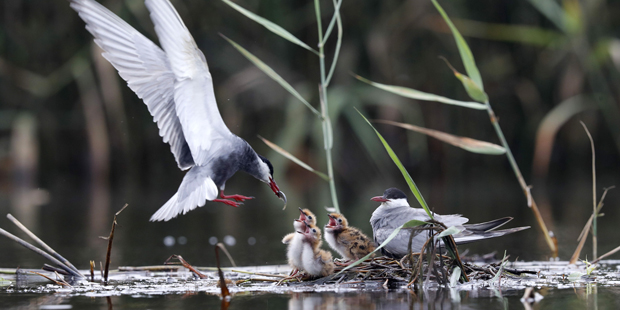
(315, 262)
(348, 241)
(395, 211)
(177, 87)
(294, 239)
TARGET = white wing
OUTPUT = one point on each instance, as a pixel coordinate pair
(193, 93)
(144, 66)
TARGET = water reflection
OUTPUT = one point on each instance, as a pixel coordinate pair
(591, 296)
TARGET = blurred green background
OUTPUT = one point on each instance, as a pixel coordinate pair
(76, 143)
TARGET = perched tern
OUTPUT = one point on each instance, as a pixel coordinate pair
(395, 211)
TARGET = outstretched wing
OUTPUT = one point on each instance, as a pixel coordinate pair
(193, 94)
(144, 66)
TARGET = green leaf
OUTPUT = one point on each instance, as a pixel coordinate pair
(416, 94)
(464, 51)
(270, 26)
(296, 160)
(335, 17)
(468, 144)
(472, 88)
(271, 73)
(500, 270)
(450, 231)
(338, 42)
(412, 186)
(454, 277)
(410, 224)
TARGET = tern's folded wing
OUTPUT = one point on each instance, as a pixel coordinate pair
(144, 66)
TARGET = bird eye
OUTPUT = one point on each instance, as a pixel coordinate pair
(310, 217)
(314, 230)
(340, 220)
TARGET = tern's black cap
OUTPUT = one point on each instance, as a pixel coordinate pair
(265, 160)
(394, 193)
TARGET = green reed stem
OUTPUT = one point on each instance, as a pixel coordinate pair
(326, 122)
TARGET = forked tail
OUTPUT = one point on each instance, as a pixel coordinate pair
(197, 187)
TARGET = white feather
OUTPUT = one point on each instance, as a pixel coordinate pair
(144, 66)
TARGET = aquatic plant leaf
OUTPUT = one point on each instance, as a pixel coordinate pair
(450, 231)
(334, 19)
(296, 160)
(454, 277)
(416, 94)
(549, 127)
(472, 89)
(270, 26)
(468, 144)
(464, 51)
(271, 73)
(500, 270)
(412, 186)
(338, 41)
(575, 276)
(554, 12)
(410, 224)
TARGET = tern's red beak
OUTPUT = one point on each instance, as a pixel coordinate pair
(274, 186)
(379, 199)
(277, 191)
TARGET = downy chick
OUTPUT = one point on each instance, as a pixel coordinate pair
(316, 262)
(348, 241)
(305, 216)
(294, 240)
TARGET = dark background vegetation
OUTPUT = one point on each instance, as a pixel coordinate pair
(76, 143)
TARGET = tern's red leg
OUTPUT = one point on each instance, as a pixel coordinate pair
(235, 197)
(228, 202)
(293, 272)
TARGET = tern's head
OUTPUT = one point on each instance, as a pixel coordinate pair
(305, 217)
(392, 197)
(312, 234)
(337, 221)
(266, 175)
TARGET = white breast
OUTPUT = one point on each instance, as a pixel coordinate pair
(310, 264)
(294, 252)
(330, 237)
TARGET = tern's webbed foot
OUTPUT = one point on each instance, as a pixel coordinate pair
(235, 197)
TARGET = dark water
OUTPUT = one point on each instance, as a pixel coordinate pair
(555, 284)
(577, 298)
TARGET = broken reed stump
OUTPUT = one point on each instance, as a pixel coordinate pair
(43, 244)
(110, 238)
(54, 257)
(186, 265)
(225, 293)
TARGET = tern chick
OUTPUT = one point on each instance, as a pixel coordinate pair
(177, 87)
(348, 241)
(395, 211)
(298, 224)
(295, 239)
(316, 262)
